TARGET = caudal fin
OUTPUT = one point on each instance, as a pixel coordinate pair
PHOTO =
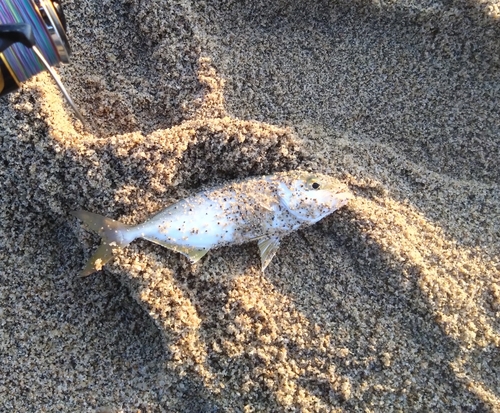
(114, 235)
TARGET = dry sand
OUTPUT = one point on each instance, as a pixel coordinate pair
(391, 304)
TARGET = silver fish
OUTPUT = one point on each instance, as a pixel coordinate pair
(262, 209)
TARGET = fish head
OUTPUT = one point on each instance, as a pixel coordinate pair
(310, 197)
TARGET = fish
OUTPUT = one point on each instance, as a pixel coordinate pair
(262, 209)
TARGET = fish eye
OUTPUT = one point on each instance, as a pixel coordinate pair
(312, 182)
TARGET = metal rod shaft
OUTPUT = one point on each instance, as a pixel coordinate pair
(59, 84)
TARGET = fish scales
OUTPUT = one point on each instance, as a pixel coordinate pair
(262, 209)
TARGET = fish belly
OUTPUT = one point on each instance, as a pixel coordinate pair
(197, 222)
(217, 218)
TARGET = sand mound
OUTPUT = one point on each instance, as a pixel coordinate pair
(393, 303)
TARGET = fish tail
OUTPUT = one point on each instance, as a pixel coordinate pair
(114, 235)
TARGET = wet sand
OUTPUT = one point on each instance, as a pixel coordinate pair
(390, 304)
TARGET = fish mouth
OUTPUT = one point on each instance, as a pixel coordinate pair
(345, 195)
(336, 189)
(342, 198)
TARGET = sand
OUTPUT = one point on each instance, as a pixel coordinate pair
(390, 304)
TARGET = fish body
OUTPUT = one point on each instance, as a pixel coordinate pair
(262, 209)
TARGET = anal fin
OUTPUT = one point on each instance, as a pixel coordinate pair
(194, 254)
(268, 247)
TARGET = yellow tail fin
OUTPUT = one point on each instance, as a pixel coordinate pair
(114, 235)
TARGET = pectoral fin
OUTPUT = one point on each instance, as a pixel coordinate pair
(288, 200)
(292, 203)
(268, 247)
(284, 194)
(266, 205)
